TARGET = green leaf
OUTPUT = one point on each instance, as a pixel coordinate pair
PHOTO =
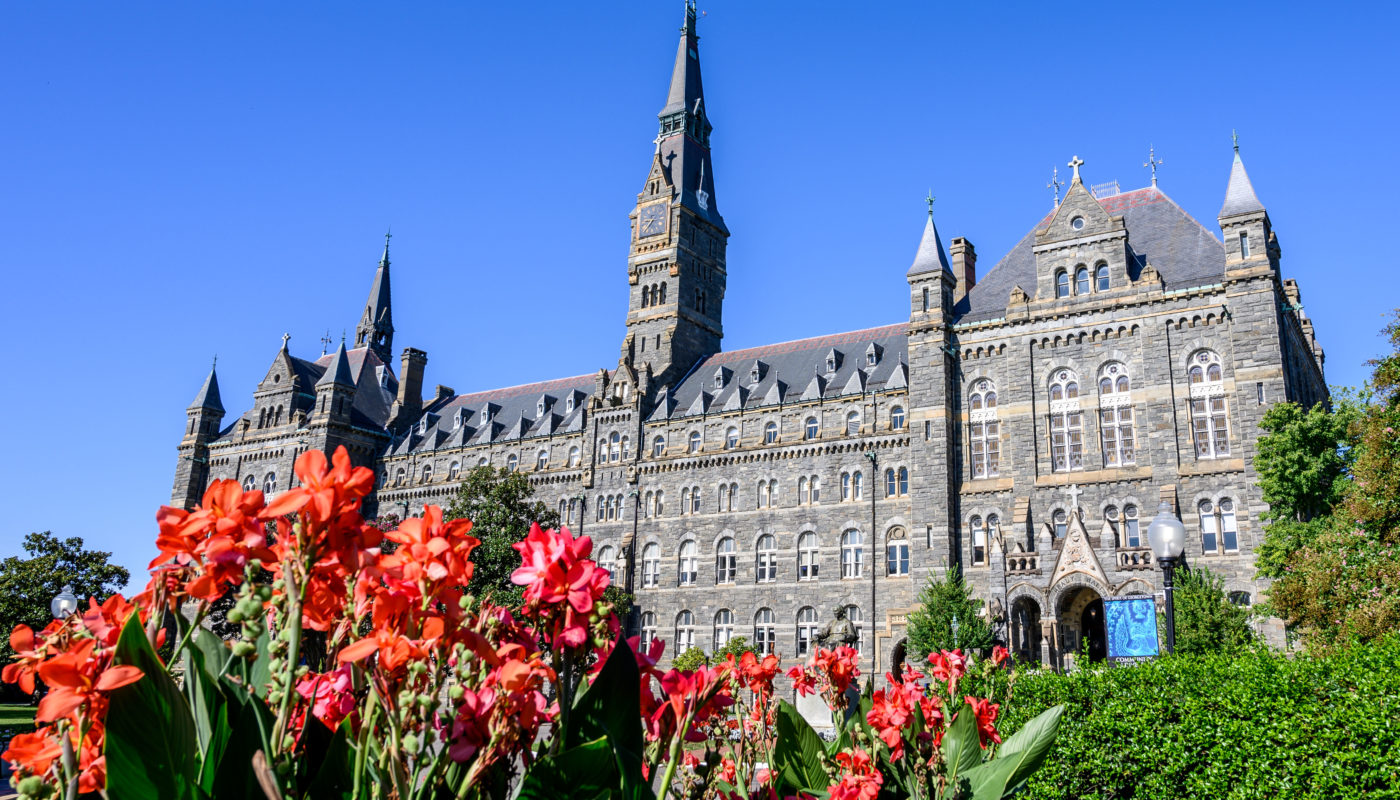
(151, 737)
(611, 708)
(586, 772)
(334, 778)
(799, 752)
(249, 721)
(961, 750)
(1027, 748)
(260, 671)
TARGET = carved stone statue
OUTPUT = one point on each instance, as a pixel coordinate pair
(838, 631)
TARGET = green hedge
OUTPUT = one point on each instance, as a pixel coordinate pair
(1252, 725)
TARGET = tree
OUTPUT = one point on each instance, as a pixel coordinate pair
(498, 504)
(1206, 621)
(27, 585)
(931, 625)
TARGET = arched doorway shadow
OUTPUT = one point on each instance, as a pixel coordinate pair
(1025, 629)
(1082, 624)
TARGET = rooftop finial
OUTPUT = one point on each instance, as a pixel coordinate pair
(325, 341)
(1076, 163)
(1153, 162)
(1055, 183)
(342, 337)
(930, 200)
(1235, 137)
(285, 338)
(215, 364)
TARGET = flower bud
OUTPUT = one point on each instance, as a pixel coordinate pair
(410, 742)
(235, 615)
(34, 787)
(456, 692)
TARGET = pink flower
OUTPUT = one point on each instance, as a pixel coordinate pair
(331, 693)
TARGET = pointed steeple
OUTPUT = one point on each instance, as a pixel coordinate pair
(1239, 195)
(683, 138)
(685, 76)
(931, 256)
(338, 371)
(208, 397)
(376, 328)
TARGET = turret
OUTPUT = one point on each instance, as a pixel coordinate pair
(1250, 242)
(204, 417)
(335, 391)
(376, 328)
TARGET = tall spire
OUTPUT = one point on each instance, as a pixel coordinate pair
(376, 328)
(931, 256)
(683, 138)
(1239, 194)
(208, 396)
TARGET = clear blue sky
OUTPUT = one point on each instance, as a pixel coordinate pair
(188, 179)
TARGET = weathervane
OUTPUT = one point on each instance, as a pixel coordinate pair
(1235, 137)
(930, 200)
(1055, 183)
(1152, 163)
(325, 341)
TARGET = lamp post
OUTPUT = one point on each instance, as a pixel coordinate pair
(1167, 536)
(64, 603)
(955, 631)
(874, 557)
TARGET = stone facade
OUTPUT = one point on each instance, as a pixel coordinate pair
(1025, 426)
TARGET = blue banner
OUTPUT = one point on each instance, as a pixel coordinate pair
(1131, 625)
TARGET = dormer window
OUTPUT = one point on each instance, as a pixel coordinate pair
(569, 405)
(719, 378)
(871, 358)
(486, 415)
(539, 408)
(753, 375)
(831, 363)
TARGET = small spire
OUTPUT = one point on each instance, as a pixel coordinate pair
(1055, 183)
(1235, 137)
(208, 397)
(1153, 163)
(338, 371)
(930, 200)
(384, 259)
(931, 257)
(1239, 193)
(1076, 163)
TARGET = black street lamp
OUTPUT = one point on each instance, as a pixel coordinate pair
(1167, 536)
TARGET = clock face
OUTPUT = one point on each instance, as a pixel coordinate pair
(651, 220)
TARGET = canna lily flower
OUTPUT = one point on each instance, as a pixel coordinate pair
(326, 490)
(859, 779)
(35, 752)
(76, 678)
(986, 712)
(28, 653)
(395, 650)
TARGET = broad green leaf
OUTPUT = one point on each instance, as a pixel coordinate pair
(611, 707)
(1028, 747)
(334, 778)
(248, 718)
(960, 748)
(586, 772)
(800, 748)
(151, 737)
(987, 781)
(259, 671)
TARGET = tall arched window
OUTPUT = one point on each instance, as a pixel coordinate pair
(1229, 533)
(685, 500)
(857, 618)
(724, 497)
(685, 631)
(512, 463)
(399, 475)
(648, 630)
(651, 565)
(803, 492)
(852, 423)
(1061, 284)
(1131, 535)
(896, 482)
(270, 481)
(897, 418)
(1210, 542)
(660, 502)
(845, 486)
(658, 447)
(808, 557)
(454, 470)
(626, 447)
(663, 293)
(427, 474)
(993, 527)
(1066, 422)
(897, 553)
(852, 553)
(574, 510)
(810, 428)
(816, 489)
(979, 541)
(694, 507)
(766, 559)
(857, 486)
(1210, 428)
(614, 446)
(1101, 277)
(574, 455)
(770, 433)
(984, 430)
(765, 635)
(726, 561)
(542, 460)
(1116, 416)
(689, 566)
(1081, 280)
(692, 444)
(731, 438)
(724, 627)
(607, 558)
(806, 629)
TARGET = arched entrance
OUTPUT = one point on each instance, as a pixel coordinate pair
(1025, 629)
(1082, 624)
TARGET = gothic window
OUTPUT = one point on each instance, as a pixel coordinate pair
(614, 446)
(454, 470)
(856, 488)
(1066, 422)
(1081, 280)
(806, 629)
(984, 430)
(1061, 284)
(685, 631)
(723, 497)
(852, 553)
(1209, 532)
(663, 293)
(685, 500)
(896, 482)
(1061, 520)
(810, 428)
(689, 567)
(574, 455)
(1101, 278)
(816, 489)
(1116, 416)
(1210, 429)
(993, 526)
(626, 447)
(979, 541)
(542, 460)
(724, 627)
(646, 296)
(648, 505)
(399, 477)
(658, 446)
(427, 473)
(694, 500)
(1229, 533)
(512, 462)
(660, 502)
(803, 493)
(648, 630)
(693, 443)
(607, 558)
(651, 565)
(766, 559)
(770, 433)
(853, 613)
(852, 423)
(270, 482)
(845, 486)
(897, 553)
(611, 504)
(764, 633)
(726, 562)
(897, 418)
(808, 557)
(573, 509)
(731, 438)
(719, 372)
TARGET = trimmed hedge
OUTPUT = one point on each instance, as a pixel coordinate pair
(1256, 724)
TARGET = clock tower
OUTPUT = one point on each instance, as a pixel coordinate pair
(675, 265)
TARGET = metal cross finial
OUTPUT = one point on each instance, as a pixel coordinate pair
(342, 337)
(388, 234)
(325, 341)
(1153, 162)
(1076, 162)
(1055, 183)
(1235, 137)
(1074, 491)
(285, 338)
(215, 364)
(930, 199)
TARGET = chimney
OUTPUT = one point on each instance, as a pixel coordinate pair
(964, 259)
(410, 399)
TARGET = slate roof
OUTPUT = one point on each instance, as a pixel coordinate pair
(500, 415)
(208, 396)
(791, 371)
(337, 373)
(1239, 194)
(1183, 250)
(930, 257)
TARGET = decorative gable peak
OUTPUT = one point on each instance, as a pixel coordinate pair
(722, 377)
(1077, 556)
(1080, 214)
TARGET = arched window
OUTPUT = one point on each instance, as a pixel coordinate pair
(646, 296)
(810, 428)
(270, 482)
(1209, 532)
(852, 423)
(611, 504)
(573, 510)
(896, 553)
(685, 500)
(723, 497)
(984, 430)
(250, 483)
(766, 559)
(845, 486)
(765, 638)
(685, 631)
(658, 447)
(574, 456)
(483, 461)
(542, 460)
(512, 462)
(660, 502)
(857, 618)
(993, 527)
(399, 476)
(1116, 416)
(726, 561)
(903, 474)
(731, 438)
(808, 557)
(454, 470)
(897, 418)
(1066, 422)
(427, 473)
(692, 444)
(262, 418)
(607, 558)
(1081, 280)
(614, 446)
(663, 293)
(1061, 284)
(770, 433)
(806, 629)
(724, 627)
(626, 447)
(1110, 518)
(651, 565)
(693, 507)
(648, 630)
(979, 541)
(1101, 277)
(816, 489)
(1210, 428)
(1131, 535)
(852, 553)
(803, 492)
(1061, 520)
(649, 504)
(689, 566)
(891, 483)
(1229, 533)
(857, 487)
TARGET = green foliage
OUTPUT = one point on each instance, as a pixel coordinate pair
(696, 656)
(499, 506)
(690, 659)
(27, 585)
(931, 625)
(1251, 724)
(1206, 621)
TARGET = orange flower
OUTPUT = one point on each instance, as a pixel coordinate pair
(325, 491)
(210, 547)
(28, 654)
(35, 752)
(395, 650)
(431, 549)
(77, 678)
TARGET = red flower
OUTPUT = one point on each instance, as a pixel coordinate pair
(28, 654)
(326, 490)
(332, 695)
(210, 547)
(986, 712)
(999, 655)
(431, 549)
(562, 586)
(77, 678)
(948, 666)
(859, 779)
(757, 675)
(395, 650)
(889, 713)
(803, 681)
(34, 752)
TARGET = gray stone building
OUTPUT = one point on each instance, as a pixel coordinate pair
(1023, 424)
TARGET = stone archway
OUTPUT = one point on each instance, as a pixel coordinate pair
(1025, 629)
(1081, 625)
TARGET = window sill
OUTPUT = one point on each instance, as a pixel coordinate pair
(1094, 476)
(1213, 466)
(978, 485)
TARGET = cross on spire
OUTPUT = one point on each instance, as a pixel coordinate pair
(1235, 137)
(285, 338)
(1074, 491)
(930, 199)
(215, 364)
(1055, 183)
(1076, 163)
(1152, 163)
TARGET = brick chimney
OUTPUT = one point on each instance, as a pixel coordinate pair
(410, 399)
(964, 259)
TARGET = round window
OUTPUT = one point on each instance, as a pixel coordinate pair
(1077, 223)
